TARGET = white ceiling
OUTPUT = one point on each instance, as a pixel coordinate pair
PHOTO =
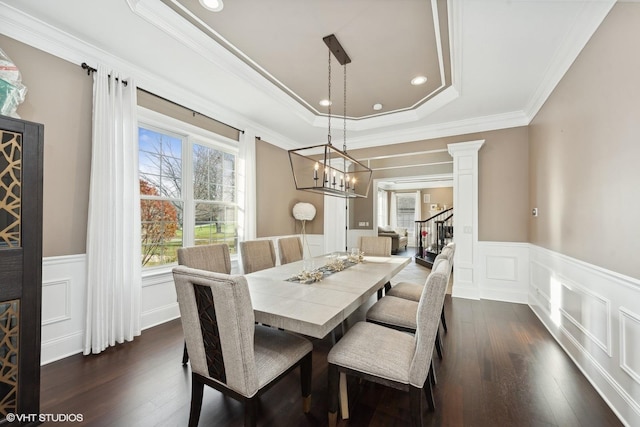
(506, 57)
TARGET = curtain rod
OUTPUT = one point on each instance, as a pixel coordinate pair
(90, 70)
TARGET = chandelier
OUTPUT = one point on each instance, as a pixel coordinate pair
(324, 168)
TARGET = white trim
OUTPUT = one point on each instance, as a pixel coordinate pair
(627, 315)
(605, 346)
(583, 324)
(503, 271)
(63, 260)
(61, 347)
(66, 282)
(465, 224)
(160, 315)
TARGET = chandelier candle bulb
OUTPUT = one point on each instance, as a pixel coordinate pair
(315, 171)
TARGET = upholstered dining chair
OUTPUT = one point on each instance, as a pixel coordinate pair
(376, 246)
(229, 352)
(412, 291)
(290, 249)
(400, 313)
(390, 357)
(205, 257)
(257, 255)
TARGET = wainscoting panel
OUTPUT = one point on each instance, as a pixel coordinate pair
(589, 312)
(159, 301)
(63, 306)
(630, 343)
(503, 271)
(594, 314)
(58, 295)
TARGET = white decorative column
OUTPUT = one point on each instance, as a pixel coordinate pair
(465, 220)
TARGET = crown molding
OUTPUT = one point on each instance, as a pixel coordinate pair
(441, 130)
(41, 35)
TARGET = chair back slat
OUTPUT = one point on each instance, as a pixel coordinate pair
(210, 332)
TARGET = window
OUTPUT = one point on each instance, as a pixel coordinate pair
(161, 205)
(406, 207)
(214, 193)
(187, 190)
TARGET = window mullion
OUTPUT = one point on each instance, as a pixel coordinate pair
(188, 222)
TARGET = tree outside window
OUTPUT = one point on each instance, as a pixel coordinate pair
(160, 168)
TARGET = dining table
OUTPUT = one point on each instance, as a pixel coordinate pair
(315, 309)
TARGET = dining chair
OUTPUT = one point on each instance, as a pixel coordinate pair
(290, 249)
(412, 291)
(399, 313)
(205, 257)
(390, 357)
(376, 246)
(229, 352)
(257, 255)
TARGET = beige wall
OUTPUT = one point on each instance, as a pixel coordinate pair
(59, 96)
(503, 193)
(438, 196)
(277, 194)
(152, 102)
(585, 152)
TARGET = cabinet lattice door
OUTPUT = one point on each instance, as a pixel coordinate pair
(21, 145)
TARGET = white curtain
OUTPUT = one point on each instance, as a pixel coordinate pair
(418, 208)
(113, 226)
(393, 210)
(247, 186)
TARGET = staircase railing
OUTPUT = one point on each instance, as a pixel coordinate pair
(433, 234)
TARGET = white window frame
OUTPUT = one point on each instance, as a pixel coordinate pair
(191, 135)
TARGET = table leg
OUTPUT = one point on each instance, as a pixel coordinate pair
(344, 397)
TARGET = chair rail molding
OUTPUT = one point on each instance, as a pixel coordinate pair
(465, 225)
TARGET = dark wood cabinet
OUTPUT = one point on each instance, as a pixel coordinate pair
(21, 165)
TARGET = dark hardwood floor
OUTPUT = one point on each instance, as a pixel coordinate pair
(500, 368)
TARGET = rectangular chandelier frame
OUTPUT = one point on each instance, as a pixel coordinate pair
(330, 171)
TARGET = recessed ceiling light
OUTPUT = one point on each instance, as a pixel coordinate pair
(212, 5)
(325, 102)
(416, 81)
(377, 107)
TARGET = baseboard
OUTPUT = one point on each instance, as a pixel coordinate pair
(61, 347)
